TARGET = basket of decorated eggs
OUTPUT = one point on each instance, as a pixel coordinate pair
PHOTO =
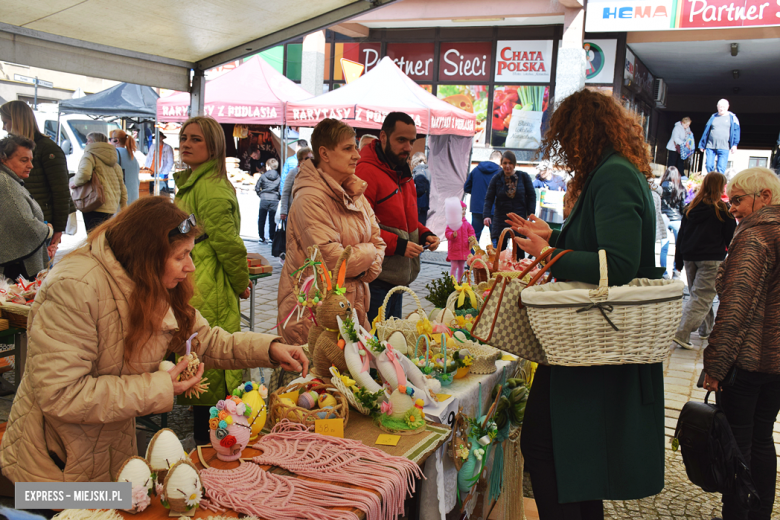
(306, 402)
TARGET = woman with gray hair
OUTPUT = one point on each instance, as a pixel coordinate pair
(743, 355)
(100, 158)
(24, 236)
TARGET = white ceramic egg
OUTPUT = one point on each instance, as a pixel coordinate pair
(164, 449)
(398, 342)
(460, 337)
(166, 365)
(401, 404)
(137, 471)
(182, 483)
(415, 317)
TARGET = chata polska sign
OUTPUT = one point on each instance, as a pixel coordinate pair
(523, 61)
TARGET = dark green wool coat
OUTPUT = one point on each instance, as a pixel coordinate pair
(48, 182)
(608, 421)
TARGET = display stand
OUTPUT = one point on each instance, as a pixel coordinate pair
(250, 320)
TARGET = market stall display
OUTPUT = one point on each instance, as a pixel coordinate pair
(182, 490)
(229, 429)
(137, 471)
(163, 451)
(285, 403)
(253, 395)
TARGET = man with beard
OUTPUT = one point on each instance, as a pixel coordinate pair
(384, 165)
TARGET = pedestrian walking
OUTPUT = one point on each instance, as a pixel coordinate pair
(390, 190)
(330, 212)
(672, 205)
(512, 192)
(292, 162)
(125, 149)
(705, 233)
(279, 248)
(48, 180)
(267, 188)
(547, 180)
(721, 136)
(660, 223)
(422, 183)
(476, 185)
(678, 148)
(596, 433)
(100, 158)
(457, 234)
(165, 152)
(222, 274)
(743, 354)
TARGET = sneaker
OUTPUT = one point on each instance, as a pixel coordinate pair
(677, 275)
(683, 344)
(261, 241)
(666, 276)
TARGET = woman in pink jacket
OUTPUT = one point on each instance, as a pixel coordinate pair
(458, 243)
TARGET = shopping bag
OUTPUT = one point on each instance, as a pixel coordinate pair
(525, 129)
(88, 197)
(279, 245)
(503, 320)
(72, 226)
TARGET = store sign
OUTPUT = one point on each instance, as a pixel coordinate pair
(601, 60)
(465, 61)
(523, 61)
(367, 53)
(663, 15)
(414, 59)
(629, 67)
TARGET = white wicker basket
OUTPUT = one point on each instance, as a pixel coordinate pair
(386, 327)
(581, 325)
(485, 357)
(339, 384)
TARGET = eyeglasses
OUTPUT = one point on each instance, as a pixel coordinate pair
(113, 140)
(736, 201)
(184, 227)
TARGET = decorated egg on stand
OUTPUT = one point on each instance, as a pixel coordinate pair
(163, 451)
(254, 395)
(229, 430)
(137, 471)
(182, 490)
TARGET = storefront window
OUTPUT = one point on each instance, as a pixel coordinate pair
(294, 60)
(472, 99)
(274, 57)
(517, 115)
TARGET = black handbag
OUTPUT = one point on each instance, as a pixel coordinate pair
(712, 459)
(279, 245)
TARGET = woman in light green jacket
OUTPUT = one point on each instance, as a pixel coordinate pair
(222, 275)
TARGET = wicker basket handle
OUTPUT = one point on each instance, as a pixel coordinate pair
(602, 293)
(547, 267)
(481, 261)
(427, 349)
(392, 291)
(498, 250)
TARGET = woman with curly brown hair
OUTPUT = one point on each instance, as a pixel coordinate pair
(596, 433)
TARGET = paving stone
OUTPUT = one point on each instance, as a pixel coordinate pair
(676, 389)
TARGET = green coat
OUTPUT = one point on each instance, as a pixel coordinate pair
(221, 271)
(48, 182)
(608, 421)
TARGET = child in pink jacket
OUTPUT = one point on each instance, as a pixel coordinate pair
(458, 244)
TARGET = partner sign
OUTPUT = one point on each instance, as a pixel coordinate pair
(664, 15)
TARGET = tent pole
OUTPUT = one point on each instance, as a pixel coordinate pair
(157, 160)
(284, 148)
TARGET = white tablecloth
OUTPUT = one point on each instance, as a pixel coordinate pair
(439, 491)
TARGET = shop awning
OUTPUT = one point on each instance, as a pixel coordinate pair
(365, 102)
(123, 100)
(254, 93)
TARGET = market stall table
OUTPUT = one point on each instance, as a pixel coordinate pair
(251, 318)
(416, 448)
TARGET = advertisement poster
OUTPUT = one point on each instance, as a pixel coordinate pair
(524, 61)
(414, 59)
(468, 61)
(601, 60)
(517, 115)
(472, 99)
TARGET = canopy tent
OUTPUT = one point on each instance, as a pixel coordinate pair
(252, 94)
(366, 101)
(122, 101)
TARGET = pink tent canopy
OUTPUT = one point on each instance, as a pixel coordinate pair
(252, 94)
(366, 101)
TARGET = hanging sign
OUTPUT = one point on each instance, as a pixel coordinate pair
(352, 70)
(414, 59)
(601, 60)
(468, 61)
(523, 61)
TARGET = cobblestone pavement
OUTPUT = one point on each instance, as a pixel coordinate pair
(679, 500)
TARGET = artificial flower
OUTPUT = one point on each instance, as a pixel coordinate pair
(228, 441)
(158, 488)
(240, 409)
(213, 412)
(220, 405)
(263, 391)
(479, 453)
(213, 423)
(230, 407)
(229, 420)
(462, 452)
(222, 414)
(467, 361)
(349, 383)
(386, 407)
(424, 327)
(221, 433)
(194, 498)
(140, 498)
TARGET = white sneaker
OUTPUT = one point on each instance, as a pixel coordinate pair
(677, 275)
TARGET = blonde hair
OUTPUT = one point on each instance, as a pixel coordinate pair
(418, 158)
(685, 120)
(124, 140)
(22, 119)
(271, 164)
(329, 133)
(97, 137)
(215, 141)
(755, 180)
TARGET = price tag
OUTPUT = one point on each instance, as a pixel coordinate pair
(442, 397)
(332, 427)
(293, 396)
(388, 440)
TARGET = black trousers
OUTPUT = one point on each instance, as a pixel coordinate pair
(537, 447)
(267, 209)
(422, 215)
(93, 219)
(674, 159)
(751, 405)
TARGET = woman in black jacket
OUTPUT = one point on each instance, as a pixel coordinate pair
(705, 233)
(512, 192)
(267, 188)
(672, 204)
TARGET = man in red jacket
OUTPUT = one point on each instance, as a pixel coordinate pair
(384, 166)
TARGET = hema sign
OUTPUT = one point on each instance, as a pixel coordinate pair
(663, 15)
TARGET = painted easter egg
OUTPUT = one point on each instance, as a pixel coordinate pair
(401, 404)
(415, 317)
(326, 413)
(305, 400)
(254, 400)
(327, 400)
(182, 488)
(398, 342)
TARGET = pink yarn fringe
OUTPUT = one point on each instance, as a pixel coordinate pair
(293, 447)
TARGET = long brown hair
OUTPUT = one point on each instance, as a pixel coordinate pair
(215, 142)
(710, 193)
(124, 140)
(583, 126)
(138, 237)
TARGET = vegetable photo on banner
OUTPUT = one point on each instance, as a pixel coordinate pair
(525, 126)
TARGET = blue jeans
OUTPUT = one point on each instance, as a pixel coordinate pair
(674, 227)
(723, 159)
(478, 223)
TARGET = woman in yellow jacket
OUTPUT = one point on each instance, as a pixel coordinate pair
(100, 158)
